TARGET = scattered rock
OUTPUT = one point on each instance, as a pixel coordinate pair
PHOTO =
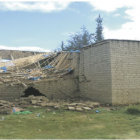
(78, 109)
(72, 104)
(5, 107)
(57, 107)
(33, 102)
(71, 108)
(87, 108)
(43, 104)
(48, 110)
(77, 104)
(95, 104)
(43, 101)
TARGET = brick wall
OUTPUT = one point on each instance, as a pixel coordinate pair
(125, 68)
(10, 93)
(110, 72)
(95, 73)
(61, 88)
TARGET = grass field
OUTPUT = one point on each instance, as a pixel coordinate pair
(67, 124)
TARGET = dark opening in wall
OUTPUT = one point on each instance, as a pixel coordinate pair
(32, 91)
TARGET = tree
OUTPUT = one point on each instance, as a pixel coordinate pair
(86, 38)
(79, 40)
(62, 46)
(99, 29)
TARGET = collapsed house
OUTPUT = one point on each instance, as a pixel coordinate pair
(107, 72)
(51, 75)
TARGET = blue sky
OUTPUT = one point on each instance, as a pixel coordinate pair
(43, 25)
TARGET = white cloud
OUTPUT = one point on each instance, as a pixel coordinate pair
(129, 30)
(24, 48)
(47, 6)
(117, 15)
(107, 5)
(51, 5)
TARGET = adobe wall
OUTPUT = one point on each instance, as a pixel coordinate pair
(10, 93)
(95, 73)
(125, 69)
(60, 88)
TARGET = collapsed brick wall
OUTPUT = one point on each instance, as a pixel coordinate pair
(65, 88)
(61, 88)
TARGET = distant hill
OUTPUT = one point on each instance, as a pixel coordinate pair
(6, 54)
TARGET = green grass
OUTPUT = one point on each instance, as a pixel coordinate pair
(133, 110)
(67, 124)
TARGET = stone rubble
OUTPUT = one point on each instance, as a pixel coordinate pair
(42, 101)
(6, 107)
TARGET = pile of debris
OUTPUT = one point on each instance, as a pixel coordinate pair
(43, 101)
(24, 71)
(86, 106)
(32, 101)
(6, 107)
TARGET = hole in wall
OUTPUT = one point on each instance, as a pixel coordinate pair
(32, 91)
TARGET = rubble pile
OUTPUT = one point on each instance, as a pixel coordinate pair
(43, 101)
(24, 71)
(20, 77)
(5, 107)
(32, 101)
(86, 106)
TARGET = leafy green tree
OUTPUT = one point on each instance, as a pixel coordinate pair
(86, 38)
(99, 29)
(79, 40)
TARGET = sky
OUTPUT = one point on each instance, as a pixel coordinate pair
(41, 25)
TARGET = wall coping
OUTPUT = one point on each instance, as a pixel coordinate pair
(107, 41)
